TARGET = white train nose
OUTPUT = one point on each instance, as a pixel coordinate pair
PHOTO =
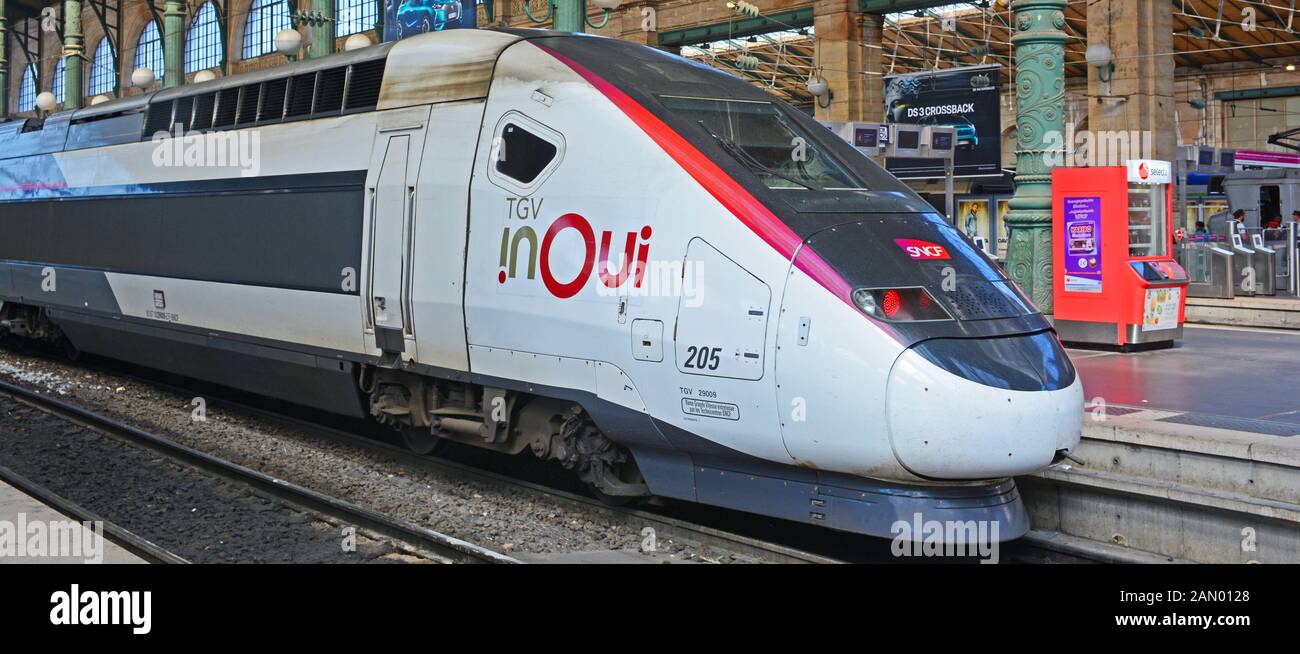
(944, 426)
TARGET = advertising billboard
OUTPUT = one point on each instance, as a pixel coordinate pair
(968, 99)
(403, 18)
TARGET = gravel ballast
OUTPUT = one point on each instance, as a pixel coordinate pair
(506, 518)
(202, 518)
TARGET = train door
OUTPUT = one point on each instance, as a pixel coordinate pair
(441, 211)
(395, 163)
(720, 350)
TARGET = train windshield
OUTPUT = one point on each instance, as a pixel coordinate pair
(763, 139)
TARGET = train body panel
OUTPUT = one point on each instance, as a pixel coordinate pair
(553, 264)
(841, 425)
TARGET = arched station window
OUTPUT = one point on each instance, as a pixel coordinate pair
(203, 41)
(148, 50)
(103, 70)
(265, 19)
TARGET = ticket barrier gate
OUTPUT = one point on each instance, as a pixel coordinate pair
(1209, 265)
(1254, 266)
(1283, 243)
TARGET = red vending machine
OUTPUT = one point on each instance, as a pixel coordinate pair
(1117, 283)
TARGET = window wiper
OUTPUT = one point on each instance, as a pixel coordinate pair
(739, 154)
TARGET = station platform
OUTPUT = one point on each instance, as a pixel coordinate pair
(19, 512)
(1191, 454)
(1281, 312)
(1227, 378)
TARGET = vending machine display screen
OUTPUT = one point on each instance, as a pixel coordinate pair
(941, 141)
(909, 140)
(866, 137)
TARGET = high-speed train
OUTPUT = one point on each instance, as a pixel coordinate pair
(646, 269)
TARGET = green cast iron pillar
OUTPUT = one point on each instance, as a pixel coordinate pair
(1040, 111)
(173, 37)
(569, 15)
(4, 63)
(322, 29)
(565, 15)
(73, 54)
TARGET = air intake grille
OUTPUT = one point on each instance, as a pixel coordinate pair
(157, 119)
(364, 84)
(329, 91)
(227, 103)
(184, 112)
(248, 104)
(301, 90)
(203, 108)
(273, 100)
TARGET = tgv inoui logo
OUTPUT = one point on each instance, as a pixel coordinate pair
(541, 257)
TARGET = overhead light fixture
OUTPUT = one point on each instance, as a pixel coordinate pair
(356, 42)
(142, 77)
(45, 101)
(1099, 56)
(1290, 67)
(288, 41)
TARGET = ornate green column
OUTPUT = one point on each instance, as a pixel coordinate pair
(4, 63)
(73, 54)
(1040, 110)
(322, 32)
(173, 43)
(569, 15)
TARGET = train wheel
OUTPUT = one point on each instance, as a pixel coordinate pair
(625, 475)
(420, 440)
(613, 500)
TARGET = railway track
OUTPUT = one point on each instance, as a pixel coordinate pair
(131, 542)
(442, 546)
(713, 543)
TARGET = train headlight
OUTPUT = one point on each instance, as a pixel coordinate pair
(866, 301)
(900, 304)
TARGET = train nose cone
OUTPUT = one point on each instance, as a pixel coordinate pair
(983, 409)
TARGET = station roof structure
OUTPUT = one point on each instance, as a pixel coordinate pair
(914, 40)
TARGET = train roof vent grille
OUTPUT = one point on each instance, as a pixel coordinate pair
(204, 105)
(329, 91)
(301, 90)
(248, 104)
(157, 118)
(273, 100)
(184, 112)
(366, 79)
(227, 104)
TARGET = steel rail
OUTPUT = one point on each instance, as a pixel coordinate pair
(443, 546)
(114, 533)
